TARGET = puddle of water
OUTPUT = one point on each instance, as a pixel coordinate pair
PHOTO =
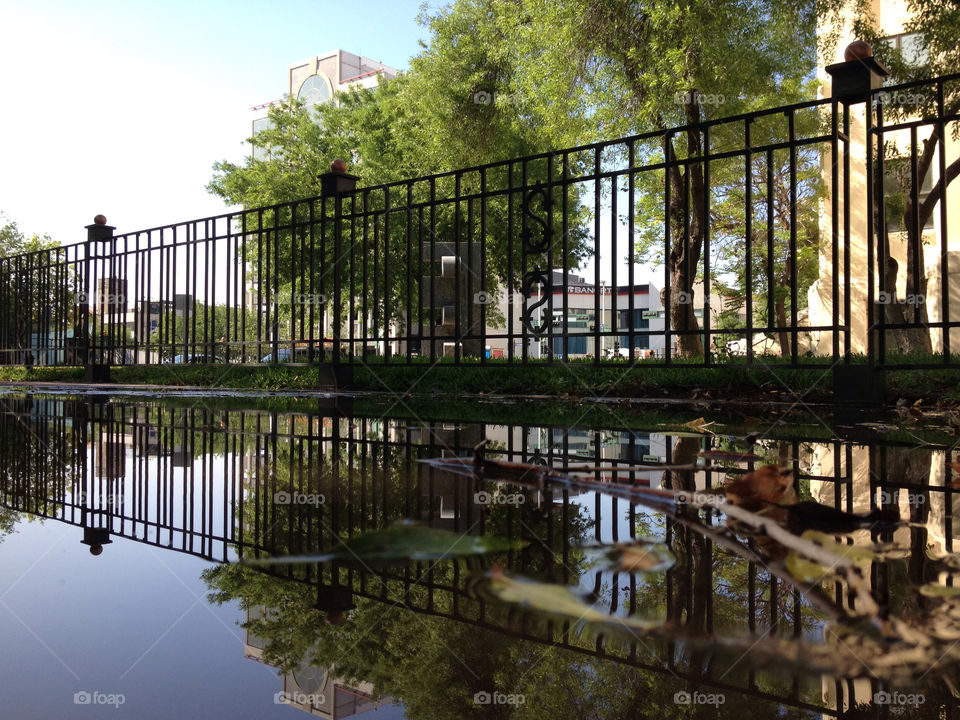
(566, 572)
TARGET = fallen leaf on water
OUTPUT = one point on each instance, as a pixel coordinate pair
(854, 553)
(639, 556)
(700, 425)
(934, 590)
(812, 515)
(554, 599)
(401, 542)
(806, 571)
(762, 487)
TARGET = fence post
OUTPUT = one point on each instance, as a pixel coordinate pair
(852, 83)
(96, 370)
(335, 184)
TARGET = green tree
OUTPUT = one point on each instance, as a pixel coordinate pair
(204, 325)
(36, 288)
(426, 121)
(781, 211)
(619, 67)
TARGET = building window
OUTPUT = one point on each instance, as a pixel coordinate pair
(314, 91)
(639, 341)
(575, 346)
(912, 47)
(261, 152)
(639, 321)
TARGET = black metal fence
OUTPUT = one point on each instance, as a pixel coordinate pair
(806, 234)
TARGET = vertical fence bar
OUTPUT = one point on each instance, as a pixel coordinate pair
(748, 233)
(944, 235)
(597, 260)
(668, 167)
(794, 330)
(707, 333)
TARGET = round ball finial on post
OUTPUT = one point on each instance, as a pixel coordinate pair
(857, 50)
(338, 166)
(100, 220)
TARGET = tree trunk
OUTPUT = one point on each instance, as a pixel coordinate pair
(904, 340)
(686, 234)
(692, 573)
(780, 307)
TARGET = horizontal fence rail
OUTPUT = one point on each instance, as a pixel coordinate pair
(756, 238)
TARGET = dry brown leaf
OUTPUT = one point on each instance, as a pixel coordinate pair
(768, 484)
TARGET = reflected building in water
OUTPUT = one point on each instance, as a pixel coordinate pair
(314, 690)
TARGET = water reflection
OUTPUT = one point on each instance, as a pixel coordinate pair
(346, 638)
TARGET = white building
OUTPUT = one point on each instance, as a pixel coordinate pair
(317, 80)
(621, 309)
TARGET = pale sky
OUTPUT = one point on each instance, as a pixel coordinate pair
(122, 107)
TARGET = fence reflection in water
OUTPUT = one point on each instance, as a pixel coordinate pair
(220, 484)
